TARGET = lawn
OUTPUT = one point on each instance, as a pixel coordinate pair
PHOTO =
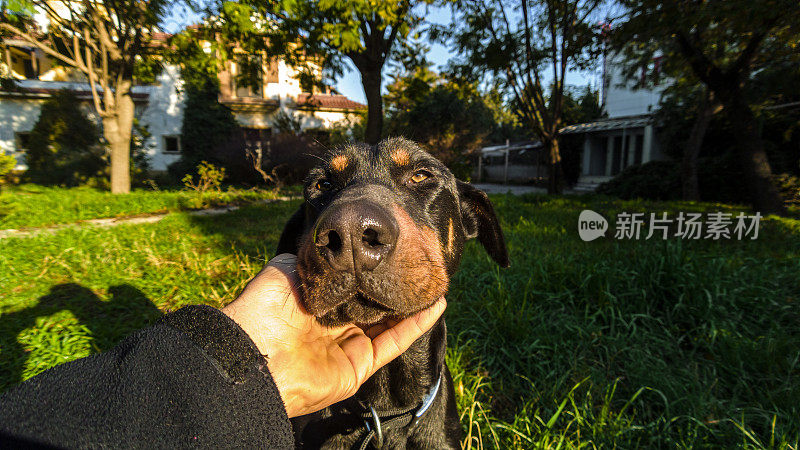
(578, 344)
(30, 205)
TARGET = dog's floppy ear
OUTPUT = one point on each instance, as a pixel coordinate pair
(477, 215)
(290, 236)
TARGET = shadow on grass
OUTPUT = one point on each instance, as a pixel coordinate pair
(252, 230)
(107, 322)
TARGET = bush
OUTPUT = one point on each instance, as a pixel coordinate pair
(209, 132)
(7, 164)
(789, 187)
(140, 162)
(208, 187)
(719, 178)
(209, 178)
(288, 158)
(655, 180)
(64, 147)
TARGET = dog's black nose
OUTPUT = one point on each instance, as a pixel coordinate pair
(356, 235)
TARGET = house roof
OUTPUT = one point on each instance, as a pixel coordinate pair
(37, 92)
(496, 150)
(616, 123)
(160, 36)
(250, 105)
(328, 101)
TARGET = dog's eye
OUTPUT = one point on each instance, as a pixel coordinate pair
(323, 185)
(419, 177)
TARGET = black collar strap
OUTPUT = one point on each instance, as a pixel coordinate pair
(375, 423)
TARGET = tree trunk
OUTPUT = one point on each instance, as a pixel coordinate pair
(117, 130)
(555, 178)
(753, 157)
(371, 80)
(705, 111)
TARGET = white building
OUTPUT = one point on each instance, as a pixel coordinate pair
(626, 136)
(160, 106)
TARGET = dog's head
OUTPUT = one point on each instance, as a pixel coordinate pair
(381, 231)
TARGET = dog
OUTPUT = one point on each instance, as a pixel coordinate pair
(379, 235)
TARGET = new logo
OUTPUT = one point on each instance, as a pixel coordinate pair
(591, 225)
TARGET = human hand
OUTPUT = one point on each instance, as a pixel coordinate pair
(316, 366)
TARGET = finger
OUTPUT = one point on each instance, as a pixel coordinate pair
(276, 289)
(395, 340)
(280, 274)
(285, 263)
(285, 266)
(375, 330)
(281, 269)
(357, 348)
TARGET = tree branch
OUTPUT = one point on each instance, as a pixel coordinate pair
(703, 67)
(748, 54)
(31, 40)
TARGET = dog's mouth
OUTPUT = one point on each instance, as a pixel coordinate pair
(352, 284)
(360, 309)
(368, 302)
(341, 298)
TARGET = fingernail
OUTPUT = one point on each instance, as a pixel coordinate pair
(438, 307)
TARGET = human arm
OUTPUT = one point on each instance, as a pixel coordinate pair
(199, 377)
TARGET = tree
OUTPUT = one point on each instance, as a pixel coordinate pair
(364, 32)
(684, 105)
(722, 44)
(64, 146)
(109, 43)
(706, 109)
(541, 35)
(208, 127)
(449, 118)
(581, 106)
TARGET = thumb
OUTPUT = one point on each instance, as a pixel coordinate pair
(395, 340)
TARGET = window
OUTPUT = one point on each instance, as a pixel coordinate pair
(172, 144)
(638, 149)
(652, 72)
(319, 135)
(616, 156)
(658, 62)
(249, 77)
(599, 153)
(257, 138)
(272, 71)
(23, 62)
(21, 141)
(626, 146)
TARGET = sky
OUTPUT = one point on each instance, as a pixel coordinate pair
(350, 83)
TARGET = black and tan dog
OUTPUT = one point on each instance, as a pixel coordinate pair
(379, 235)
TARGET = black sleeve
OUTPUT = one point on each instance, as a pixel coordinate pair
(193, 379)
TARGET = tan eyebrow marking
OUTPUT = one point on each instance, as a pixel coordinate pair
(400, 157)
(339, 163)
(450, 236)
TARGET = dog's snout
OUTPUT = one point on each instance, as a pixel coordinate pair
(356, 236)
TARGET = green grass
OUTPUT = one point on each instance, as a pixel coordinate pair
(628, 344)
(31, 205)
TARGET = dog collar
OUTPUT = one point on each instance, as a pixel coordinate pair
(375, 425)
(427, 401)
